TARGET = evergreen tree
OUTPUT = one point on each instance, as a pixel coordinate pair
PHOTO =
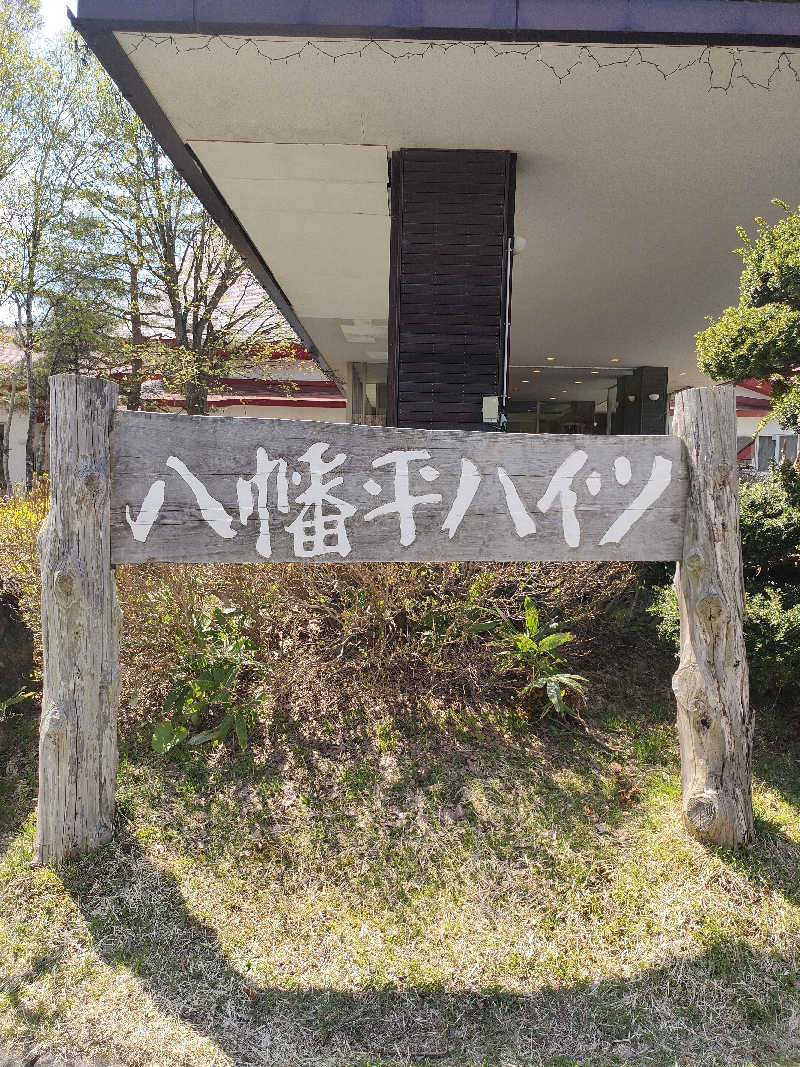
(760, 336)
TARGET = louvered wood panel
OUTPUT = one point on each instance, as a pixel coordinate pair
(452, 216)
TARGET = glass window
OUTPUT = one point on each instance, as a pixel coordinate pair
(787, 449)
(765, 450)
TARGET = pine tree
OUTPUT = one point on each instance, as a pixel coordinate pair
(760, 336)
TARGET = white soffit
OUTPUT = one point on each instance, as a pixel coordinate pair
(318, 213)
(634, 169)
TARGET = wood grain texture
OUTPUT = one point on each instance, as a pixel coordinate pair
(715, 722)
(80, 626)
(220, 450)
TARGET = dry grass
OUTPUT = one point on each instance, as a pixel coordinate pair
(405, 867)
(390, 890)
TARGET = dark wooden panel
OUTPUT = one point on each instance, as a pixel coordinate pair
(452, 216)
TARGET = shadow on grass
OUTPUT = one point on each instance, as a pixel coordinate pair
(776, 757)
(18, 771)
(649, 1019)
(140, 921)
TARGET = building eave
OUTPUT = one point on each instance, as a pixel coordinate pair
(99, 36)
(712, 22)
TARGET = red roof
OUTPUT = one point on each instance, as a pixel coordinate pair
(756, 386)
(255, 393)
(750, 408)
(277, 350)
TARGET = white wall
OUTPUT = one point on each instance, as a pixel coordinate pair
(747, 427)
(19, 430)
(750, 425)
(262, 411)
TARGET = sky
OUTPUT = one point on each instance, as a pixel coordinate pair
(54, 15)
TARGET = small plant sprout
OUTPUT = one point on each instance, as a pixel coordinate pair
(15, 698)
(205, 690)
(534, 649)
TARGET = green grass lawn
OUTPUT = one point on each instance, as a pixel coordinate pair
(387, 892)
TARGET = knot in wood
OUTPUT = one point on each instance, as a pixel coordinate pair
(91, 479)
(701, 811)
(64, 584)
(695, 563)
(55, 723)
(710, 609)
(723, 473)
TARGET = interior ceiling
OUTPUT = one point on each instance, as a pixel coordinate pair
(630, 184)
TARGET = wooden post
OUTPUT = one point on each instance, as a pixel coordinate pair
(80, 626)
(715, 723)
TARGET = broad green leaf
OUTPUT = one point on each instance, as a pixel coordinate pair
(574, 681)
(556, 696)
(176, 698)
(531, 617)
(218, 733)
(166, 736)
(241, 729)
(554, 641)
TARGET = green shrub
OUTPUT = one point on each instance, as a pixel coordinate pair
(21, 518)
(770, 521)
(771, 634)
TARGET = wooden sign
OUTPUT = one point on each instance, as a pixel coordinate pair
(225, 489)
(126, 487)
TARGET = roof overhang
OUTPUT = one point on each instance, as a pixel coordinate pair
(203, 109)
(738, 22)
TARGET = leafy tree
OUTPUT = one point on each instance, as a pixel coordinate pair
(80, 337)
(760, 337)
(49, 236)
(19, 19)
(177, 275)
(107, 260)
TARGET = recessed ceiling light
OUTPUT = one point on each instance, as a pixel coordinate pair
(614, 359)
(563, 390)
(682, 374)
(525, 381)
(579, 381)
(553, 398)
(595, 372)
(550, 358)
(538, 370)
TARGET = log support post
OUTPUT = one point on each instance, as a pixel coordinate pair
(715, 723)
(80, 626)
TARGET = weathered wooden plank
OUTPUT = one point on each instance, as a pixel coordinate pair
(715, 721)
(80, 627)
(169, 471)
